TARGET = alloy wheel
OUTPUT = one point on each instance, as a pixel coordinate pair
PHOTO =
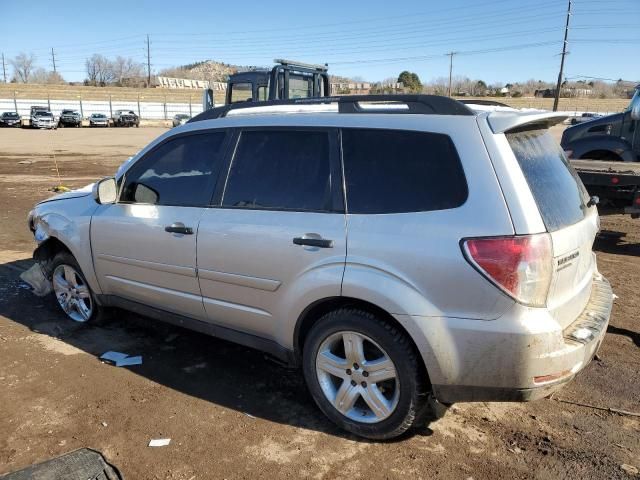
(357, 377)
(72, 293)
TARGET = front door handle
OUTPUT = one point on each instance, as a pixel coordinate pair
(178, 227)
(313, 242)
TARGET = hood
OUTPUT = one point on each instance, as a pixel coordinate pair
(81, 192)
(586, 129)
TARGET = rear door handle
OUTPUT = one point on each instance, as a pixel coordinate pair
(313, 242)
(178, 227)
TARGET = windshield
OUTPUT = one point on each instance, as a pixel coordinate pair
(10, 115)
(43, 114)
(98, 115)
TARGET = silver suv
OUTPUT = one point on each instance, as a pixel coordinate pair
(395, 248)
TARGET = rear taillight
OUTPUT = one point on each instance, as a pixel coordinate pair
(521, 266)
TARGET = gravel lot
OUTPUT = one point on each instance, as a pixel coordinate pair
(230, 411)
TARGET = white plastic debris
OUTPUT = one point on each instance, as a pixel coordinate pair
(121, 359)
(36, 278)
(615, 296)
(159, 442)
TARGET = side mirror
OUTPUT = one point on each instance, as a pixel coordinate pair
(105, 191)
(635, 111)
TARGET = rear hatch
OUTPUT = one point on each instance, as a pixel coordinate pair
(562, 201)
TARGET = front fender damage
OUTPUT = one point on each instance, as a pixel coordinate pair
(38, 277)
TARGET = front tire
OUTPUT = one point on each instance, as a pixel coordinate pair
(72, 292)
(364, 374)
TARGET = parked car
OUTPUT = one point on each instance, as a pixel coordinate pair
(43, 119)
(35, 108)
(70, 118)
(441, 251)
(98, 120)
(10, 119)
(180, 119)
(125, 118)
(585, 117)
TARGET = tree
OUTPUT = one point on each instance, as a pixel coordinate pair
(411, 81)
(40, 75)
(99, 70)
(125, 69)
(23, 66)
(479, 89)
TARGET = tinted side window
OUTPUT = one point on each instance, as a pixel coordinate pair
(180, 172)
(280, 169)
(391, 171)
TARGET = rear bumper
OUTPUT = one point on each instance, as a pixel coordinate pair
(521, 357)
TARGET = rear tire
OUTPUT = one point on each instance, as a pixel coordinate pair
(368, 368)
(72, 292)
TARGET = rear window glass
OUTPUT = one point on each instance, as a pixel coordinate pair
(556, 187)
(392, 171)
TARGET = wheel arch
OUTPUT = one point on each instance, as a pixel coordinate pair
(601, 155)
(314, 312)
(600, 143)
(49, 249)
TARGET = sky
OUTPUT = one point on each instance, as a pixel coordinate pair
(498, 41)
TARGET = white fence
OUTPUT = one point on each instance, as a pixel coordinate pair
(145, 110)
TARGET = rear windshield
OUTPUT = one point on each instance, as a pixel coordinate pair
(556, 187)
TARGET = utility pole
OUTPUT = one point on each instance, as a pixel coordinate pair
(53, 60)
(148, 62)
(564, 52)
(4, 69)
(450, 54)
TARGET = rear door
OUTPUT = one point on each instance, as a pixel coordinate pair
(144, 246)
(562, 202)
(276, 242)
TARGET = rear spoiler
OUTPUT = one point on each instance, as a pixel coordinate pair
(501, 122)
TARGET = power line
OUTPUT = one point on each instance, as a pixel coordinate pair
(587, 77)
(430, 57)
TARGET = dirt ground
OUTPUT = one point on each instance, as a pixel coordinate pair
(231, 412)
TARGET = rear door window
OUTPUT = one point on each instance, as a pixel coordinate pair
(556, 187)
(394, 171)
(280, 169)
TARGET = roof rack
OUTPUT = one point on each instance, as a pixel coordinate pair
(416, 104)
(294, 63)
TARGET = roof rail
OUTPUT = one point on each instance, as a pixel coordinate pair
(488, 103)
(416, 104)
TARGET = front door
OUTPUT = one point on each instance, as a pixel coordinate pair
(277, 242)
(144, 246)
